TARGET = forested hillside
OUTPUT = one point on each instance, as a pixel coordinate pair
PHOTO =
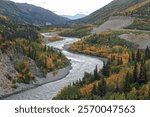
(135, 8)
(142, 13)
(125, 74)
(26, 13)
(79, 31)
(12, 30)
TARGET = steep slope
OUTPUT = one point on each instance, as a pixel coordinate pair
(39, 15)
(8, 73)
(101, 15)
(13, 30)
(141, 12)
(30, 14)
(114, 23)
(134, 17)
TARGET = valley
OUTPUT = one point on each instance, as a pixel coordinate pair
(102, 56)
(79, 63)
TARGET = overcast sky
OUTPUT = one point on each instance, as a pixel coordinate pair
(68, 7)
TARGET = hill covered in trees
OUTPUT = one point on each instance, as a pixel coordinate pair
(79, 31)
(26, 13)
(12, 30)
(125, 75)
(135, 8)
(142, 14)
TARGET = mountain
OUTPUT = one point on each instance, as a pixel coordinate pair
(104, 13)
(22, 12)
(77, 16)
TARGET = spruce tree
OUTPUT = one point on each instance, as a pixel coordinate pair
(119, 61)
(96, 77)
(102, 87)
(135, 73)
(133, 56)
(143, 75)
(138, 56)
(106, 69)
(111, 58)
(45, 48)
(147, 53)
(127, 87)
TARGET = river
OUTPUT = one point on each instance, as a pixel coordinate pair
(80, 64)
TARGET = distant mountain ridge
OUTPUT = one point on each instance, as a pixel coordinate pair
(74, 17)
(22, 12)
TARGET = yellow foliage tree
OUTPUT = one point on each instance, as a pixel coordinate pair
(49, 62)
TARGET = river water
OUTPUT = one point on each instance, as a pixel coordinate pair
(80, 64)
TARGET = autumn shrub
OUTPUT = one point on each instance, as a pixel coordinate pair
(25, 76)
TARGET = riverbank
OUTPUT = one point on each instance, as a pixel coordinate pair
(79, 64)
(51, 77)
(66, 47)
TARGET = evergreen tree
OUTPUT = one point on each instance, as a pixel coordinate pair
(102, 87)
(23, 51)
(119, 61)
(106, 69)
(147, 53)
(135, 73)
(112, 58)
(130, 78)
(127, 87)
(96, 76)
(80, 82)
(29, 51)
(143, 75)
(133, 56)
(138, 56)
(45, 48)
(60, 54)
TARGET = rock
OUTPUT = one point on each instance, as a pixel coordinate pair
(8, 73)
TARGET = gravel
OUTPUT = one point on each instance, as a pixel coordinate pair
(114, 23)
